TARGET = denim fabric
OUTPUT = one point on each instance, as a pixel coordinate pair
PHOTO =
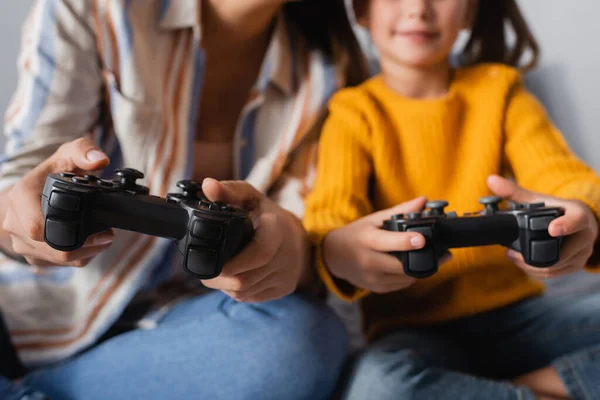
(474, 357)
(209, 347)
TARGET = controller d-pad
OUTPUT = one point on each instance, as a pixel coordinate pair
(80, 179)
(91, 178)
(202, 261)
(205, 230)
(105, 183)
(414, 215)
(534, 206)
(544, 251)
(516, 206)
(64, 201)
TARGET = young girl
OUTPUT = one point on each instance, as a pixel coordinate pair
(478, 329)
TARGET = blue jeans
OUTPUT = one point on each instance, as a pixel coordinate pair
(474, 357)
(209, 347)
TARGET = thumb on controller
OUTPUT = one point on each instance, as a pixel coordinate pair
(414, 205)
(508, 189)
(82, 154)
(239, 194)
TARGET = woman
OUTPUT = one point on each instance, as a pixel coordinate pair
(229, 90)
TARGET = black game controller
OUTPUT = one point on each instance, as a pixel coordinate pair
(522, 227)
(206, 233)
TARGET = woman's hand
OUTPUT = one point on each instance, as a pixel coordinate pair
(579, 224)
(358, 252)
(277, 259)
(23, 217)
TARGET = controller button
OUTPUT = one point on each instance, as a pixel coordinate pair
(202, 261)
(205, 230)
(106, 183)
(64, 201)
(414, 215)
(91, 178)
(214, 207)
(204, 204)
(66, 175)
(61, 233)
(516, 206)
(398, 217)
(422, 260)
(227, 209)
(540, 223)
(80, 179)
(534, 206)
(544, 251)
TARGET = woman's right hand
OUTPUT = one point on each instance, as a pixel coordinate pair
(23, 217)
(358, 252)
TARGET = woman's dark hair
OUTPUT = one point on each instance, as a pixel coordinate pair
(325, 26)
(488, 41)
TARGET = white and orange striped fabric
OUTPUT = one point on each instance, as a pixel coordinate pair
(129, 72)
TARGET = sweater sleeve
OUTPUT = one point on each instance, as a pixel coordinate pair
(340, 193)
(541, 159)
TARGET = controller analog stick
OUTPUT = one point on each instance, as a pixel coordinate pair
(437, 207)
(491, 203)
(189, 189)
(129, 176)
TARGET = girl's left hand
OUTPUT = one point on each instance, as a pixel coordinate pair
(578, 223)
(277, 259)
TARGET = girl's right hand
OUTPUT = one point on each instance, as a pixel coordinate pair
(24, 220)
(358, 252)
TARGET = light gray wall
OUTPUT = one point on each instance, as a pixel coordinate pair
(568, 80)
(12, 14)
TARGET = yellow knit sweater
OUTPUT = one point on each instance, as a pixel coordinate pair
(444, 149)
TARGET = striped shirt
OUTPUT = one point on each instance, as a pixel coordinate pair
(129, 74)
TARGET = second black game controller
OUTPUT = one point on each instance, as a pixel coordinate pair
(208, 234)
(521, 227)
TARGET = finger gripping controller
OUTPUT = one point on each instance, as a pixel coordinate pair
(208, 234)
(521, 227)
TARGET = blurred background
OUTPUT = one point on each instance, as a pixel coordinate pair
(567, 80)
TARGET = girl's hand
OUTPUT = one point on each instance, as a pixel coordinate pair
(277, 259)
(358, 252)
(24, 220)
(579, 224)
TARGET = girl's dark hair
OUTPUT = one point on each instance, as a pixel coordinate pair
(488, 41)
(325, 26)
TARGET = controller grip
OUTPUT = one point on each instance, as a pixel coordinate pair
(66, 223)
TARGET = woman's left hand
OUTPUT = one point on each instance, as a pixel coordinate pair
(275, 261)
(579, 225)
